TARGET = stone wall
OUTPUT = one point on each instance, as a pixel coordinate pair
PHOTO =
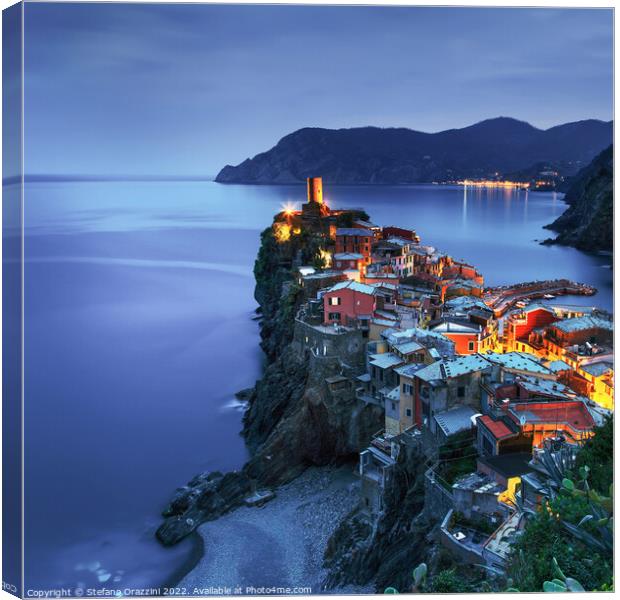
(437, 500)
(348, 345)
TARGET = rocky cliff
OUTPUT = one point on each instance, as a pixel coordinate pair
(587, 224)
(384, 550)
(293, 419)
(371, 155)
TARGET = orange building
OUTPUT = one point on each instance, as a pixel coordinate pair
(469, 337)
(520, 324)
(354, 241)
(348, 262)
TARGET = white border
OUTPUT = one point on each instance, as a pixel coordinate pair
(464, 3)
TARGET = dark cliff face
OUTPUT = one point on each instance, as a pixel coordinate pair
(587, 224)
(292, 420)
(370, 155)
(387, 549)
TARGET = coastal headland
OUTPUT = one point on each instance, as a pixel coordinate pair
(356, 321)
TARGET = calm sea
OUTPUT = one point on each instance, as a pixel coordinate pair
(139, 330)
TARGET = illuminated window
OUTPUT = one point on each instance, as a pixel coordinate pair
(334, 301)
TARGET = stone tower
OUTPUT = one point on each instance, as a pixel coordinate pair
(315, 190)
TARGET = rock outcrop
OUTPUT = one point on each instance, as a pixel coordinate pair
(204, 498)
(588, 222)
(371, 155)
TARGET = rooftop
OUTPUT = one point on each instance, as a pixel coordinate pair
(348, 256)
(336, 379)
(573, 413)
(408, 347)
(477, 482)
(362, 288)
(451, 326)
(465, 303)
(536, 306)
(305, 270)
(519, 361)
(598, 368)
(366, 224)
(544, 386)
(354, 231)
(453, 367)
(410, 369)
(414, 333)
(499, 429)
(387, 315)
(384, 285)
(582, 324)
(558, 365)
(383, 322)
(323, 275)
(385, 360)
(455, 420)
(399, 241)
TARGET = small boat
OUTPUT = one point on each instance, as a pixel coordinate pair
(521, 304)
(548, 296)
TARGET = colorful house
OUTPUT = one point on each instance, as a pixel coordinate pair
(348, 261)
(469, 336)
(520, 324)
(354, 240)
(349, 302)
(407, 234)
(445, 384)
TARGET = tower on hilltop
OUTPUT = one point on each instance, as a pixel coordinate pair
(315, 190)
(315, 209)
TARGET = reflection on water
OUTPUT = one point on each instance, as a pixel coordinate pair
(139, 331)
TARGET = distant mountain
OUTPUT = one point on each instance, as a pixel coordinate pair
(588, 223)
(394, 156)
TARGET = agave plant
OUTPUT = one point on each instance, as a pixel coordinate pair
(596, 528)
(561, 583)
(419, 577)
(556, 464)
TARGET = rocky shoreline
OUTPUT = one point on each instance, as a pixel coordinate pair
(281, 544)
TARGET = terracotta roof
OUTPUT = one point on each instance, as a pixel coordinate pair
(574, 414)
(499, 429)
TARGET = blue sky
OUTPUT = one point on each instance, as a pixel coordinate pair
(184, 90)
